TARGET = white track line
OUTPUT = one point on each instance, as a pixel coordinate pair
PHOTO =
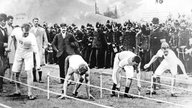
(126, 93)
(93, 103)
(5, 106)
(153, 82)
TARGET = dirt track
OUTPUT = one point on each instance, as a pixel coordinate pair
(184, 98)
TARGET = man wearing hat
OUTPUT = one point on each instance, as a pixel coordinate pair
(64, 44)
(87, 41)
(156, 37)
(3, 45)
(109, 41)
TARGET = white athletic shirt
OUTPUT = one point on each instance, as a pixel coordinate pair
(75, 61)
(170, 58)
(24, 44)
(125, 58)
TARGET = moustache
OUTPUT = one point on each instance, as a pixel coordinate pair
(25, 34)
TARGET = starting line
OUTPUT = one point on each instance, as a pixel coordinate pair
(139, 96)
(48, 91)
(4, 106)
(100, 87)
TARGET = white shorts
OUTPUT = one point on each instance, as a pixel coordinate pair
(129, 71)
(164, 65)
(26, 58)
(115, 68)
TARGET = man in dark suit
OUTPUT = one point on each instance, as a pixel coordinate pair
(3, 45)
(156, 38)
(108, 47)
(64, 44)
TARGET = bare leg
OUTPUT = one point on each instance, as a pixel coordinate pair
(17, 85)
(29, 81)
(10, 72)
(172, 86)
(128, 85)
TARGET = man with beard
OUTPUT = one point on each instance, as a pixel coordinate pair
(156, 38)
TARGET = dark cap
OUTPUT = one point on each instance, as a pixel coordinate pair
(3, 17)
(63, 25)
(9, 17)
(155, 20)
(82, 26)
(73, 25)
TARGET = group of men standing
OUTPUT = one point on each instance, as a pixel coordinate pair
(24, 45)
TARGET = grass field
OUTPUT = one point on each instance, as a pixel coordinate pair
(184, 97)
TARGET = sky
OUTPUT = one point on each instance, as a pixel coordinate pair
(69, 11)
(169, 8)
(83, 11)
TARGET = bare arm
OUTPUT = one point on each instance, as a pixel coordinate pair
(68, 77)
(65, 84)
(154, 58)
(87, 81)
(138, 78)
(182, 67)
(138, 75)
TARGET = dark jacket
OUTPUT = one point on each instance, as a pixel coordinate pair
(66, 45)
(97, 40)
(3, 39)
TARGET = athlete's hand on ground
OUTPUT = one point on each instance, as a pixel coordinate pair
(186, 77)
(139, 89)
(38, 68)
(146, 66)
(62, 97)
(188, 51)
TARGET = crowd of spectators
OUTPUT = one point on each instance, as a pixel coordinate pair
(100, 42)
